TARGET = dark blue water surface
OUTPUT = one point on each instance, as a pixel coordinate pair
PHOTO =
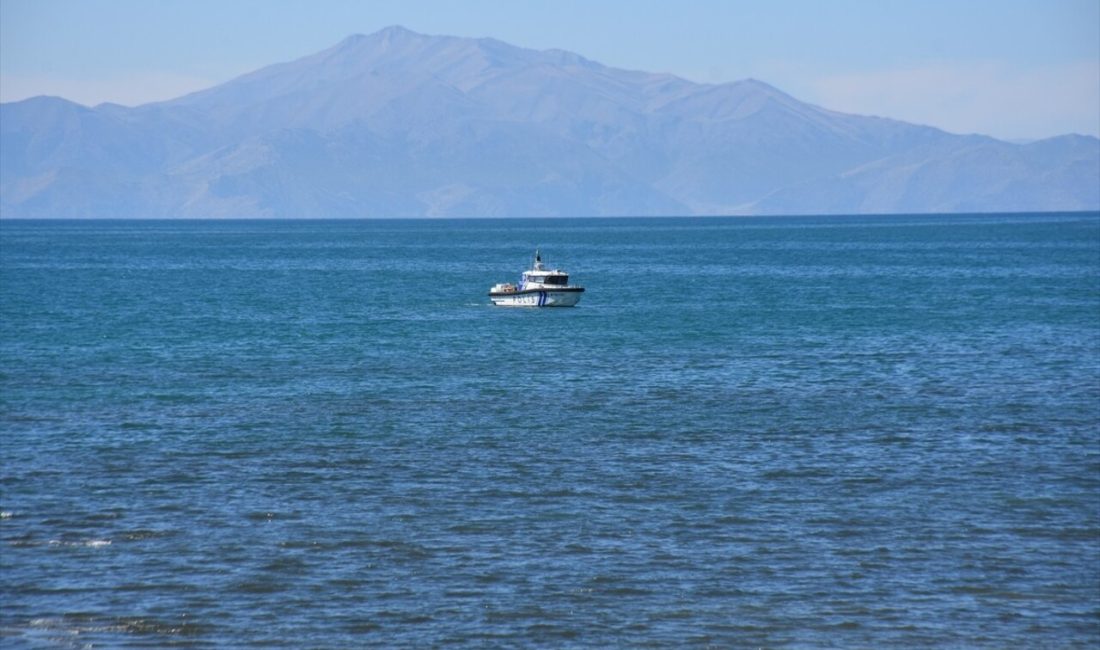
(789, 432)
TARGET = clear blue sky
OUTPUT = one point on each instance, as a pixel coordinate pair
(1016, 69)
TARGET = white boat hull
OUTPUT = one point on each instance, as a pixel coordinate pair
(537, 298)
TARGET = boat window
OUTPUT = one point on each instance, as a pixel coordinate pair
(557, 279)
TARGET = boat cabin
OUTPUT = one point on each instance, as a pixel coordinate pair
(539, 277)
(548, 278)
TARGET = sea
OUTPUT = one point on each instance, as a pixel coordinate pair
(788, 432)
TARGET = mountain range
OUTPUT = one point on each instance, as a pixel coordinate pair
(401, 124)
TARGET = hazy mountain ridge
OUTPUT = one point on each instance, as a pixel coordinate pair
(403, 124)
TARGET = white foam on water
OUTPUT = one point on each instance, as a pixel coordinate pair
(90, 543)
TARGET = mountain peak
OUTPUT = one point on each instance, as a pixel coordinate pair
(394, 32)
(391, 34)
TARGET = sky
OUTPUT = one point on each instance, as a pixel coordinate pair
(1014, 69)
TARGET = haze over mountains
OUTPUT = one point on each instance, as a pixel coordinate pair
(400, 124)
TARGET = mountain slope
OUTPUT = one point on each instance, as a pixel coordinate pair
(976, 174)
(403, 124)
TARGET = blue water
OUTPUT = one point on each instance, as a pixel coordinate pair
(788, 432)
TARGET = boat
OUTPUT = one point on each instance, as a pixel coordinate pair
(538, 287)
